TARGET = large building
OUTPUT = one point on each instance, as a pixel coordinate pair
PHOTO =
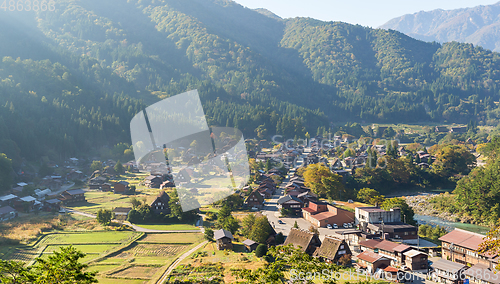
(376, 215)
(461, 246)
(321, 214)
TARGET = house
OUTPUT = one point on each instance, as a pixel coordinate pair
(96, 182)
(167, 184)
(27, 203)
(395, 230)
(121, 213)
(441, 129)
(448, 272)
(460, 129)
(482, 274)
(224, 239)
(40, 194)
(461, 246)
(391, 250)
(332, 249)
(306, 197)
(291, 203)
(372, 261)
(8, 199)
(250, 245)
(121, 187)
(304, 240)
(72, 196)
(416, 260)
(106, 186)
(255, 199)
(7, 213)
(375, 215)
(322, 213)
(153, 181)
(160, 204)
(52, 204)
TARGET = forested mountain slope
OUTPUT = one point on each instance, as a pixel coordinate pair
(97, 63)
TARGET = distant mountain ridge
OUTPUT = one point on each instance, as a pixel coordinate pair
(478, 25)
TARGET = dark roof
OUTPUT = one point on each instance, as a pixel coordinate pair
(248, 242)
(6, 209)
(301, 238)
(288, 198)
(446, 265)
(219, 234)
(53, 201)
(164, 196)
(463, 238)
(75, 191)
(393, 227)
(123, 183)
(370, 243)
(329, 247)
(307, 193)
(122, 209)
(387, 245)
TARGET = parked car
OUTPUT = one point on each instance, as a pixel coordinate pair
(350, 201)
(335, 226)
(345, 225)
(329, 226)
(349, 225)
(280, 222)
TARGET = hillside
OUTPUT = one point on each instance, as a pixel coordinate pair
(98, 63)
(478, 25)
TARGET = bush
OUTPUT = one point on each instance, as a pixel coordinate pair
(209, 234)
(261, 250)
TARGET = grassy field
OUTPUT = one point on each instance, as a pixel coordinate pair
(208, 261)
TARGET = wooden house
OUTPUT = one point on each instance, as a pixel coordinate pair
(255, 199)
(121, 187)
(160, 204)
(72, 196)
(250, 245)
(224, 239)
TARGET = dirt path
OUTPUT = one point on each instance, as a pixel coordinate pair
(169, 270)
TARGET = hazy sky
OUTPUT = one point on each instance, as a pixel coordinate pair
(371, 13)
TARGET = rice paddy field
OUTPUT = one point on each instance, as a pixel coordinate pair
(118, 256)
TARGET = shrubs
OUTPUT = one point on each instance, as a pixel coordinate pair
(209, 234)
(261, 250)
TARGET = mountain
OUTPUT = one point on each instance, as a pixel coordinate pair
(478, 25)
(72, 79)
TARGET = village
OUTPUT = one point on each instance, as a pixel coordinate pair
(348, 233)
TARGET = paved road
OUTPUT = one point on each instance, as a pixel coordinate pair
(177, 261)
(137, 228)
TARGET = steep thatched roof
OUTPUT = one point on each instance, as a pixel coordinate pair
(329, 247)
(300, 238)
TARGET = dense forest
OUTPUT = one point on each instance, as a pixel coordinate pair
(72, 79)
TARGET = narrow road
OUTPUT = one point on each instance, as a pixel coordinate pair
(169, 270)
(137, 228)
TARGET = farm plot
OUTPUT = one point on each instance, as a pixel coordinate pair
(158, 250)
(172, 238)
(137, 272)
(89, 237)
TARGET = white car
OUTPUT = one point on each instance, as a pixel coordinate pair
(335, 226)
(329, 226)
(349, 225)
(345, 225)
(350, 201)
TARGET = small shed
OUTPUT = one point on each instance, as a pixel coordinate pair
(250, 245)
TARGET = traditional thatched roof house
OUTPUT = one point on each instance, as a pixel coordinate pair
(332, 249)
(160, 204)
(250, 245)
(305, 240)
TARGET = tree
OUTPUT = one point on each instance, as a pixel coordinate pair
(295, 225)
(261, 250)
(226, 221)
(247, 225)
(370, 196)
(260, 230)
(13, 272)
(406, 211)
(104, 216)
(209, 234)
(96, 165)
(134, 202)
(6, 170)
(289, 260)
(453, 159)
(322, 181)
(119, 167)
(314, 230)
(280, 238)
(63, 267)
